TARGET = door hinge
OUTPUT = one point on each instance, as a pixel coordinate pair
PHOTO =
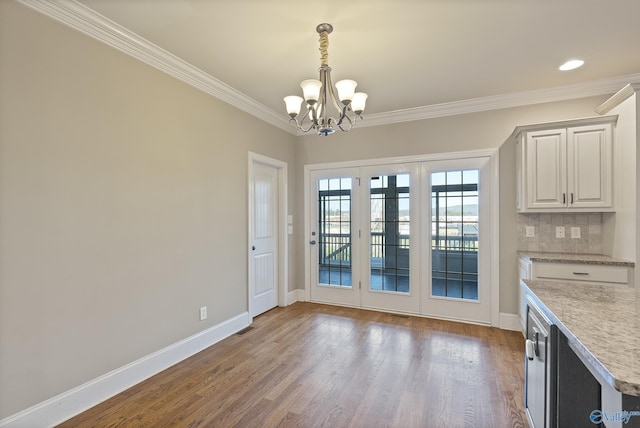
(359, 285)
(358, 180)
(359, 233)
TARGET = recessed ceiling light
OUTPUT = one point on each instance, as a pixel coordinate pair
(571, 65)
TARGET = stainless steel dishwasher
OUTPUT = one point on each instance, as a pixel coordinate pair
(540, 367)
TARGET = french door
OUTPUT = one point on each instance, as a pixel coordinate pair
(335, 225)
(410, 237)
(389, 262)
(456, 242)
(360, 237)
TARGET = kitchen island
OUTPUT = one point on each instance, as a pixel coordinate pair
(601, 324)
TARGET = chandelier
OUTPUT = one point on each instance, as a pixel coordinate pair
(319, 94)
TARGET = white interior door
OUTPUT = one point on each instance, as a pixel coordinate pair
(264, 231)
(456, 240)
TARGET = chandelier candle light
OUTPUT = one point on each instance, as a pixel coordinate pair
(318, 93)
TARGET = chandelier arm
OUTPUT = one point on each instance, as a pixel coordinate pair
(332, 95)
(311, 126)
(349, 121)
(305, 116)
(293, 121)
(300, 123)
(313, 117)
(345, 130)
(351, 118)
(324, 120)
(312, 113)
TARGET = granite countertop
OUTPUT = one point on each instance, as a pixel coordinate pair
(593, 259)
(603, 324)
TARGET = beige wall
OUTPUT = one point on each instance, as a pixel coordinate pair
(485, 130)
(123, 208)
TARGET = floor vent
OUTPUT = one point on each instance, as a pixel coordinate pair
(401, 315)
(244, 330)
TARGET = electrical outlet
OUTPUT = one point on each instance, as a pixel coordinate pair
(203, 313)
(560, 232)
(530, 231)
(575, 232)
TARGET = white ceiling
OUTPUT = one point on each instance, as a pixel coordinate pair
(405, 54)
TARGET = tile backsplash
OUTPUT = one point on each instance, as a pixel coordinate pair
(544, 228)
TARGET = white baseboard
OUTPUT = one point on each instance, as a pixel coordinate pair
(75, 401)
(295, 296)
(510, 322)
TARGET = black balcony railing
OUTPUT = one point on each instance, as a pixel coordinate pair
(336, 247)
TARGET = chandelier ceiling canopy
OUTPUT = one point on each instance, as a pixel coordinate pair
(319, 95)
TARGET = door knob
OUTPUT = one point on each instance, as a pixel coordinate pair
(312, 242)
(253, 247)
(530, 349)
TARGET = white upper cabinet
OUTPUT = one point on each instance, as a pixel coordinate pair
(566, 166)
(546, 162)
(590, 160)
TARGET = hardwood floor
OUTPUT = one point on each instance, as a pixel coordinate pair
(310, 365)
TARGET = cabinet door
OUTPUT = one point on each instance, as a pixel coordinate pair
(589, 158)
(524, 266)
(546, 162)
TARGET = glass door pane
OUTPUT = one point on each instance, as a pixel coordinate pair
(334, 232)
(389, 228)
(454, 240)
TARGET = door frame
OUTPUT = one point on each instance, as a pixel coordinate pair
(493, 154)
(283, 235)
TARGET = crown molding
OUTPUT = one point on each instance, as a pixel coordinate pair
(91, 23)
(496, 102)
(618, 98)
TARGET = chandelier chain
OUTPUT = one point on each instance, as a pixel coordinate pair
(324, 48)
